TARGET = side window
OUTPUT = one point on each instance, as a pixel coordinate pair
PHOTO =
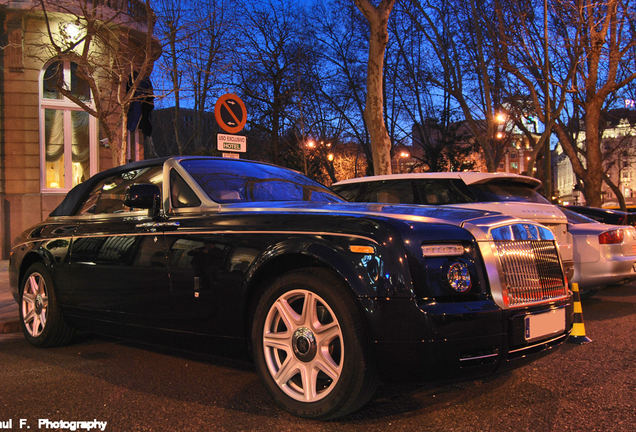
(348, 191)
(393, 192)
(181, 195)
(107, 197)
(443, 191)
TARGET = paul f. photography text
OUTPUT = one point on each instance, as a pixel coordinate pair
(63, 425)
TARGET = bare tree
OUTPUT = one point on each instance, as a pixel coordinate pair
(467, 67)
(268, 69)
(195, 63)
(538, 69)
(342, 46)
(378, 18)
(439, 138)
(114, 51)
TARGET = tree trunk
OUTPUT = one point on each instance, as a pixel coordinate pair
(594, 172)
(378, 18)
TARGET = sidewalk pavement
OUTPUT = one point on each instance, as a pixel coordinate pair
(9, 313)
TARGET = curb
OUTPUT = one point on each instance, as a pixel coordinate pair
(10, 327)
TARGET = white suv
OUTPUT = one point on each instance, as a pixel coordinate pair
(510, 194)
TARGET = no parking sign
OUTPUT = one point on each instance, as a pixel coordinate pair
(230, 113)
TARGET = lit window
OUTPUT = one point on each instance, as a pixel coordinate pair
(68, 137)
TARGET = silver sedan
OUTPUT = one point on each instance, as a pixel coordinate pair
(604, 254)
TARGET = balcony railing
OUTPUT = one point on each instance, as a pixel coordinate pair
(135, 8)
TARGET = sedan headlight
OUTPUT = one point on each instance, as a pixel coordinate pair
(459, 277)
(451, 269)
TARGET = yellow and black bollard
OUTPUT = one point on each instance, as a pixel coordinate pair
(578, 328)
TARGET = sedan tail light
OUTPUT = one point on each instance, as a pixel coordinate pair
(611, 237)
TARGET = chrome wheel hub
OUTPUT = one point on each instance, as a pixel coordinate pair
(304, 344)
(38, 304)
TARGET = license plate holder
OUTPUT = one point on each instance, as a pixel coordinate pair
(542, 325)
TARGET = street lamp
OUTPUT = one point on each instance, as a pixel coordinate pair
(309, 144)
(576, 193)
(402, 155)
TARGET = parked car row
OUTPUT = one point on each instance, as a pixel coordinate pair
(594, 254)
(606, 216)
(604, 254)
(510, 194)
(326, 297)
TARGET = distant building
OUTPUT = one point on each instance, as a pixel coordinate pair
(197, 133)
(47, 143)
(517, 156)
(619, 153)
(515, 159)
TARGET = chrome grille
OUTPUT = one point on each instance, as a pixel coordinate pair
(531, 271)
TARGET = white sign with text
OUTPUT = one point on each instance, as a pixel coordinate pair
(231, 143)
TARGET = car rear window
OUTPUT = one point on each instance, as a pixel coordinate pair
(506, 190)
(576, 218)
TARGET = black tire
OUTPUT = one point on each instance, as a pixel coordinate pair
(307, 323)
(41, 319)
(588, 293)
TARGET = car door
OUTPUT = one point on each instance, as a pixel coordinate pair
(118, 260)
(207, 261)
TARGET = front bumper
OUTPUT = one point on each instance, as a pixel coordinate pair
(433, 341)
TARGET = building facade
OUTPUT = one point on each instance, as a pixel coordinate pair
(48, 144)
(516, 158)
(619, 161)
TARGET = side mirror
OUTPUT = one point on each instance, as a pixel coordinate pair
(144, 196)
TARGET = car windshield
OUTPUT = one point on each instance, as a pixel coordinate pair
(506, 190)
(227, 181)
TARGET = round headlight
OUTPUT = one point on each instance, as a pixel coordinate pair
(459, 277)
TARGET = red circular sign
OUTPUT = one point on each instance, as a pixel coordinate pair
(230, 113)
